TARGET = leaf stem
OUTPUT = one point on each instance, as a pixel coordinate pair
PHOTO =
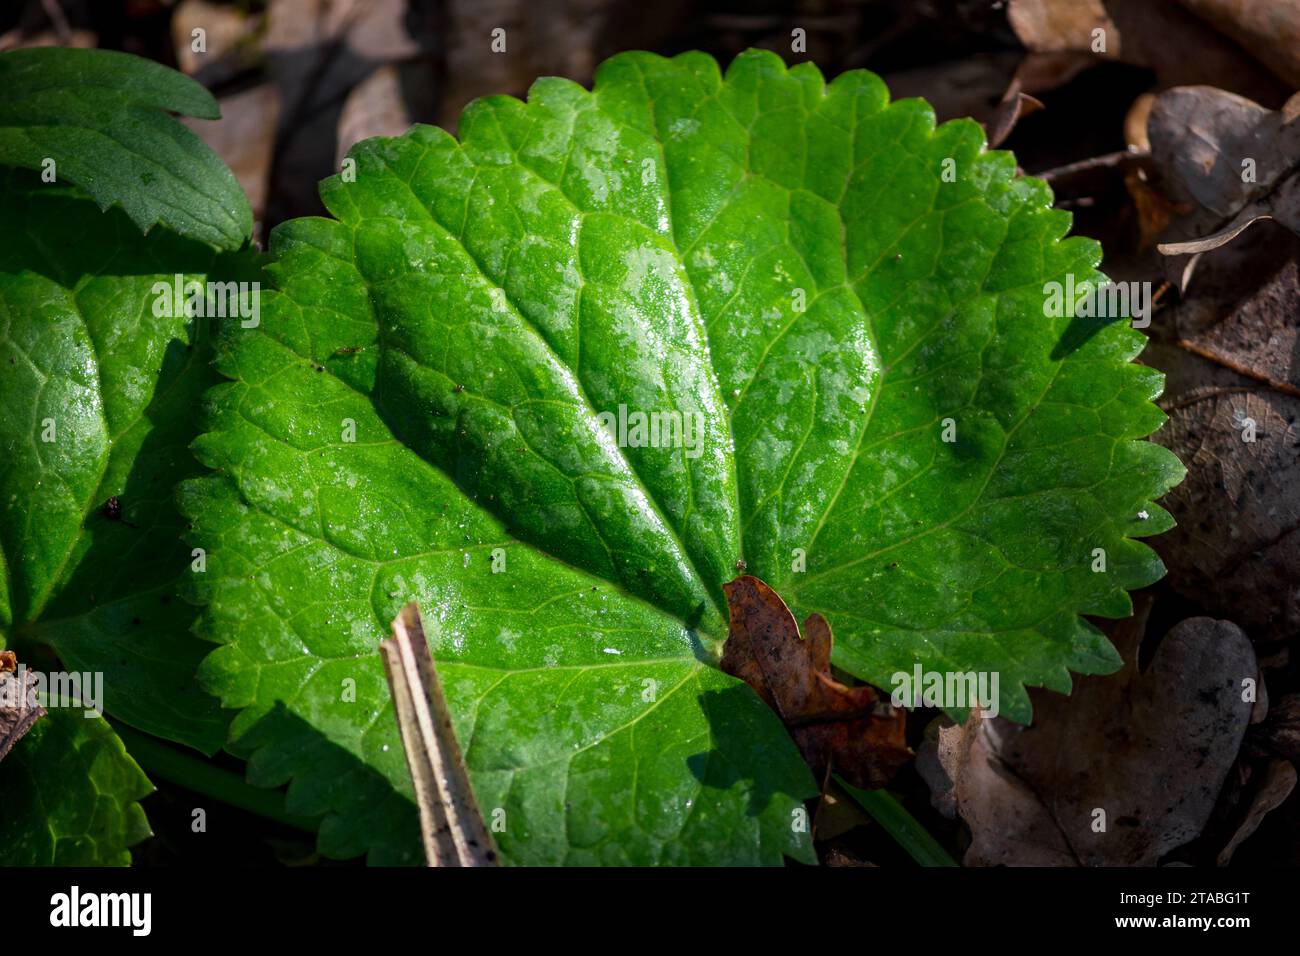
(164, 762)
(901, 825)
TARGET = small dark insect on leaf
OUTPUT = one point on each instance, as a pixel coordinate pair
(741, 565)
(458, 389)
(112, 510)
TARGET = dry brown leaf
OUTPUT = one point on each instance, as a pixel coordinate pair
(375, 107)
(1156, 34)
(838, 857)
(229, 40)
(1236, 160)
(1009, 824)
(1047, 26)
(245, 139)
(1010, 112)
(318, 51)
(1243, 308)
(17, 709)
(1260, 710)
(1041, 72)
(1237, 544)
(553, 39)
(837, 814)
(18, 38)
(1281, 730)
(1148, 749)
(1200, 138)
(1278, 781)
(970, 86)
(1135, 123)
(1154, 210)
(852, 730)
(1231, 358)
(1268, 29)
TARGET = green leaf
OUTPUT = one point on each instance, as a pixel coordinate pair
(102, 118)
(426, 388)
(169, 763)
(583, 712)
(70, 795)
(99, 396)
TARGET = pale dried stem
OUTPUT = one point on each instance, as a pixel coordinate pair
(452, 826)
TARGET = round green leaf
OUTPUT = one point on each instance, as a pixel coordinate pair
(847, 306)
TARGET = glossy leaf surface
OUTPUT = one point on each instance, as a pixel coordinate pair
(786, 265)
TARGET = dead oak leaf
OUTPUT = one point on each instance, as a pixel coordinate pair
(1277, 783)
(1235, 159)
(1122, 772)
(1154, 34)
(853, 730)
(17, 708)
(1230, 352)
(1268, 31)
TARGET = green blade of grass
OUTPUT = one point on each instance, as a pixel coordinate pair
(901, 825)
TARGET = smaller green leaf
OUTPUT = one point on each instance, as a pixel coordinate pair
(82, 351)
(71, 795)
(101, 118)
